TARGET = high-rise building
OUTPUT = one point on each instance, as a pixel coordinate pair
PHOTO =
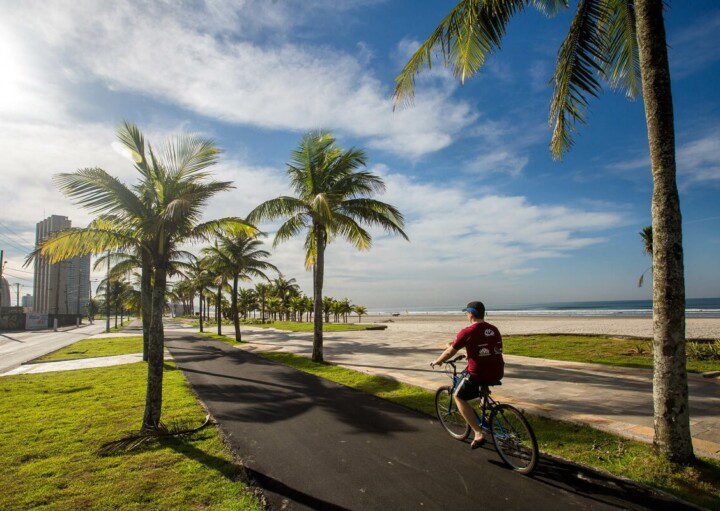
(61, 288)
(27, 301)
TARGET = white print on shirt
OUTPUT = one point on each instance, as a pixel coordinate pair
(498, 349)
(484, 352)
(489, 332)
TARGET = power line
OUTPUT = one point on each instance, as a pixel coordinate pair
(22, 271)
(13, 244)
(12, 231)
(17, 276)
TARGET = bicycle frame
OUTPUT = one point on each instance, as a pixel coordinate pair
(487, 403)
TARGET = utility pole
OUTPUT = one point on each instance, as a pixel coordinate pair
(17, 294)
(2, 261)
(107, 296)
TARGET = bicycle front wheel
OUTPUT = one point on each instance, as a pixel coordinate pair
(449, 415)
(514, 438)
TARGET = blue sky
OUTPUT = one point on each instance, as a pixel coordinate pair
(490, 214)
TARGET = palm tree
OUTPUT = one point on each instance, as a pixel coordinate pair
(263, 293)
(247, 301)
(360, 310)
(624, 43)
(647, 238)
(285, 289)
(200, 279)
(155, 217)
(332, 198)
(327, 304)
(239, 257)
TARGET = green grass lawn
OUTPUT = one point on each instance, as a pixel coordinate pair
(96, 347)
(581, 444)
(596, 349)
(51, 424)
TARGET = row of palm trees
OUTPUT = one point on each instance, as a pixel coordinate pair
(277, 300)
(142, 229)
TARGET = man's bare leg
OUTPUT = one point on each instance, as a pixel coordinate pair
(469, 415)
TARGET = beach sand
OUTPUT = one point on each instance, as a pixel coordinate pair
(696, 328)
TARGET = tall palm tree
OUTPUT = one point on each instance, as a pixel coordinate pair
(240, 257)
(199, 279)
(155, 217)
(263, 292)
(285, 289)
(332, 198)
(361, 311)
(623, 42)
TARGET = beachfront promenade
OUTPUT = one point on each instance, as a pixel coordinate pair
(610, 398)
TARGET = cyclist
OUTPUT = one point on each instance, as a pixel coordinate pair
(483, 344)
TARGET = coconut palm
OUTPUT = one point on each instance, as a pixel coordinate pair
(361, 311)
(247, 301)
(199, 277)
(285, 289)
(624, 43)
(154, 217)
(263, 293)
(332, 198)
(239, 257)
(327, 304)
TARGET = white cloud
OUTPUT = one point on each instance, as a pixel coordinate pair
(459, 242)
(698, 160)
(212, 69)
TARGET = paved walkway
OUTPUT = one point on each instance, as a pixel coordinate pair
(610, 398)
(19, 347)
(314, 444)
(72, 365)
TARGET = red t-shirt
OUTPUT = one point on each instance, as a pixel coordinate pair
(483, 344)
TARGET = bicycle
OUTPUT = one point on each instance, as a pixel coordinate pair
(512, 435)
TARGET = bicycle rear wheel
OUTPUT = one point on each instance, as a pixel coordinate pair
(449, 415)
(514, 438)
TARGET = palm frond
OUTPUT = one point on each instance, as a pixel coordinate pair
(276, 208)
(99, 192)
(471, 32)
(290, 228)
(622, 59)
(207, 230)
(579, 59)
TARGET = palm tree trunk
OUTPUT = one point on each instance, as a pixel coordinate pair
(153, 397)
(670, 388)
(145, 300)
(236, 318)
(201, 306)
(317, 353)
(218, 311)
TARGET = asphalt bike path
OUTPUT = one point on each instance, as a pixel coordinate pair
(314, 444)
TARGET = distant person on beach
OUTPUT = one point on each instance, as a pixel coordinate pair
(483, 344)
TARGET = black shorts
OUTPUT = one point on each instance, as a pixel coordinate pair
(468, 388)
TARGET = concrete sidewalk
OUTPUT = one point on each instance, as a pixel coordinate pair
(614, 399)
(72, 365)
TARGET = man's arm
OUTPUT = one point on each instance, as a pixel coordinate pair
(447, 354)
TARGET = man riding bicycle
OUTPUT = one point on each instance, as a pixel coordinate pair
(483, 344)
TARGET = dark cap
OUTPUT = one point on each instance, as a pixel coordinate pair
(477, 309)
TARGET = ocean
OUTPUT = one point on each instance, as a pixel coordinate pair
(694, 308)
